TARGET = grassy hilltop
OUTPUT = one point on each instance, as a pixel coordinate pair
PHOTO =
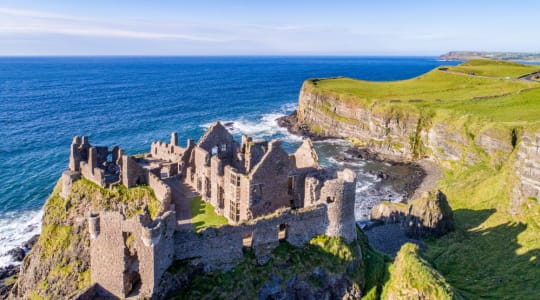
(485, 88)
(495, 249)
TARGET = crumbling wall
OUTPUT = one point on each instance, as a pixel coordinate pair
(132, 174)
(217, 135)
(221, 248)
(128, 257)
(161, 190)
(306, 156)
(167, 152)
(68, 177)
(272, 174)
(89, 169)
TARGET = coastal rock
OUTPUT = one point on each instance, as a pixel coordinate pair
(429, 215)
(7, 273)
(389, 212)
(17, 253)
(31, 242)
(384, 133)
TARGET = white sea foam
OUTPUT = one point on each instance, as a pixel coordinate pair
(15, 229)
(263, 127)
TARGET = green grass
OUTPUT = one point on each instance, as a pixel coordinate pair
(495, 248)
(61, 242)
(412, 277)
(245, 280)
(492, 254)
(203, 215)
(494, 68)
(441, 91)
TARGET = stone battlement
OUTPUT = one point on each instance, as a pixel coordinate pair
(266, 194)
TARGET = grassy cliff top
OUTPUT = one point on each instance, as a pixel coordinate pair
(494, 91)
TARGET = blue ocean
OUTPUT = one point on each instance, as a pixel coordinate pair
(132, 101)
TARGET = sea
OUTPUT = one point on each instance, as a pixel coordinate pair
(133, 101)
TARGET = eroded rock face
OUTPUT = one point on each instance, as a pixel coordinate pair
(527, 169)
(429, 215)
(384, 133)
(329, 116)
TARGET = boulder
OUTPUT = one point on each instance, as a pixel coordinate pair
(428, 215)
(17, 253)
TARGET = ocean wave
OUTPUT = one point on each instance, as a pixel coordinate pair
(263, 127)
(15, 229)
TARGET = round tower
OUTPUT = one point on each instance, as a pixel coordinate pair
(339, 195)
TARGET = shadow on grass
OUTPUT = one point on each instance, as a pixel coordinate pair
(203, 215)
(489, 262)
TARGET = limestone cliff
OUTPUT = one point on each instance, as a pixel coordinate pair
(406, 132)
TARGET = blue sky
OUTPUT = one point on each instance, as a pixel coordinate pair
(137, 27)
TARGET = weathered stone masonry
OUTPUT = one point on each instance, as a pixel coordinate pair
(267, 195)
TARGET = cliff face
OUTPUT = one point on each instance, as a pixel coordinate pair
(528, 169)
(329, 115)
(404, 133)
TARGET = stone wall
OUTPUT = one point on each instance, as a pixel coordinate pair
(166, 152)
(221, 248)
(130, 255)
(89, 169)
(132, 174)
(161, 190)
(271, 177)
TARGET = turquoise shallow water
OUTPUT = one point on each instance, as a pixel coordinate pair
(132, 101)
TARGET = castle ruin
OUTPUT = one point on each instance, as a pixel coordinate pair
(266, 194)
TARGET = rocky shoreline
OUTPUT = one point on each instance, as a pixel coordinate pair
(414, 179)
(10, 272)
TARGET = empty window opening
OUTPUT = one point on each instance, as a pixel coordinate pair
(221, 200)
(282, 235)
(256, 194)
(330, 199)
(215, 150)
(234, 211)
(208, 188)
(290, 185)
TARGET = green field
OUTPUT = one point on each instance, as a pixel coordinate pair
(203, 214)
(494, 252)
(494, 98)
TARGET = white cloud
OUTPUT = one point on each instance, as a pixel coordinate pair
(34, 22)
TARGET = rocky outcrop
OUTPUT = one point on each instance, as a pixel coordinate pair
(429, 215)
(386, 131)
(330, 115)
(527, 169)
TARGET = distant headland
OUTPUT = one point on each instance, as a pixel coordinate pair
(468, 55)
